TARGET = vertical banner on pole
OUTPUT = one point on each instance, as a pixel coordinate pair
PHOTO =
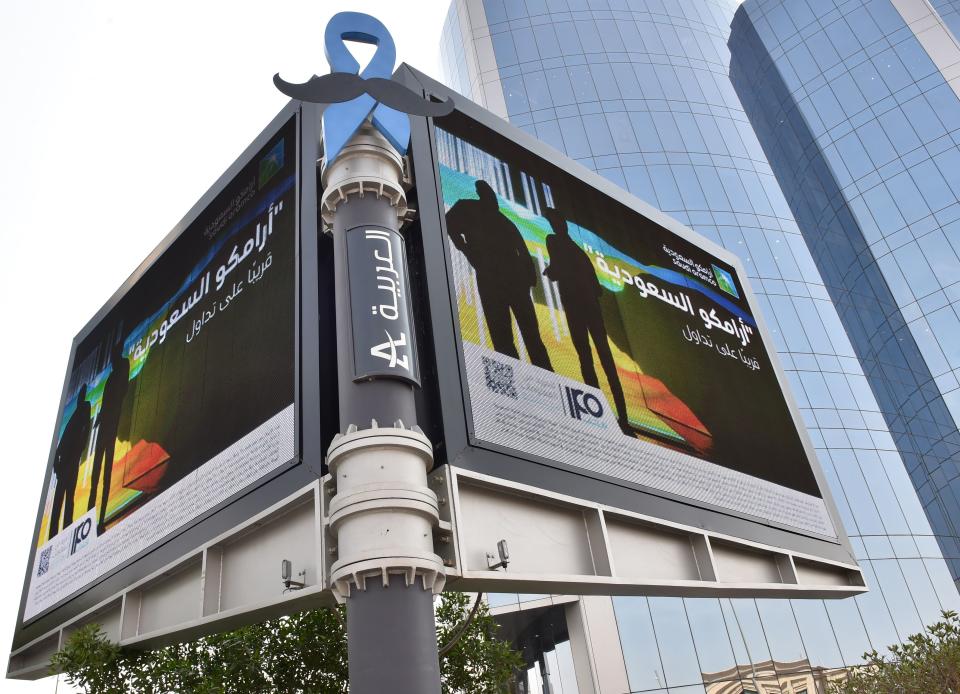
(383, 341)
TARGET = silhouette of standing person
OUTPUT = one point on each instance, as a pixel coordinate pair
(570, 267)
(505, 272)
(66, 462)
(114, 391)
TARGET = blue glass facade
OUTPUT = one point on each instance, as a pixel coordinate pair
(862, 129)
(639, 90)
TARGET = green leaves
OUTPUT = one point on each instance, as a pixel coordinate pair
(927, 662)
(479, 663)
(304, 653)
(91, 661)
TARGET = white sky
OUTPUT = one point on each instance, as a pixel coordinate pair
(115, 117)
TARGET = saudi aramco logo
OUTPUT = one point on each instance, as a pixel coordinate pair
(725, 281)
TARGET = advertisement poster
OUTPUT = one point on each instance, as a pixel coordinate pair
(183, 394)
(597, 339)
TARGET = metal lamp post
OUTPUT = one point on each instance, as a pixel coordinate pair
(382, 511)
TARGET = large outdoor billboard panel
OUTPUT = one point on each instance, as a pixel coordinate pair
(182, 393)
(597, 340)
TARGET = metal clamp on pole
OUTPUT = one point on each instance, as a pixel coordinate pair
(368, 165)
(383, 512)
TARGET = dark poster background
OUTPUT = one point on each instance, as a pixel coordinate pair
(208, 333)
(726, 408)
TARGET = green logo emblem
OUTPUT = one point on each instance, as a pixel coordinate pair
(725, 281)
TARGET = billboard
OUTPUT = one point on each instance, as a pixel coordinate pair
(595, 340)
(180, 394)
(594, 376)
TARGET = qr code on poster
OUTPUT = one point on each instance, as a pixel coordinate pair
(44, 566)
(499, 377)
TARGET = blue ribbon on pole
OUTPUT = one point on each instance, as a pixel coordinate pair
(341, 120)
(353, 97)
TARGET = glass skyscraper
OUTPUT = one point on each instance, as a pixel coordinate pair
(856, 110)
(640, 91)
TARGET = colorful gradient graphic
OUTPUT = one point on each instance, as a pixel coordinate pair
(686, 349)
(652, 409)
(206, 338)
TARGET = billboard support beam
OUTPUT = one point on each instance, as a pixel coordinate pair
(382, 513)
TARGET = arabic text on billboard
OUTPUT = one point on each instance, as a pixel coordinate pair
(183, 394)
(599, 340)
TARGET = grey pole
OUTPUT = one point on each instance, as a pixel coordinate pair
(382, 511)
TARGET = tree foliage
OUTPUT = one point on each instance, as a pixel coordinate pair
(305, 653)
(479, 662)
(927, 662)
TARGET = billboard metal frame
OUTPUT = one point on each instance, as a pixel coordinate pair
(310, 375)
(453, 422)
(562, 544)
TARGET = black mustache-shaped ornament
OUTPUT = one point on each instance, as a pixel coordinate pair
(338, 87)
